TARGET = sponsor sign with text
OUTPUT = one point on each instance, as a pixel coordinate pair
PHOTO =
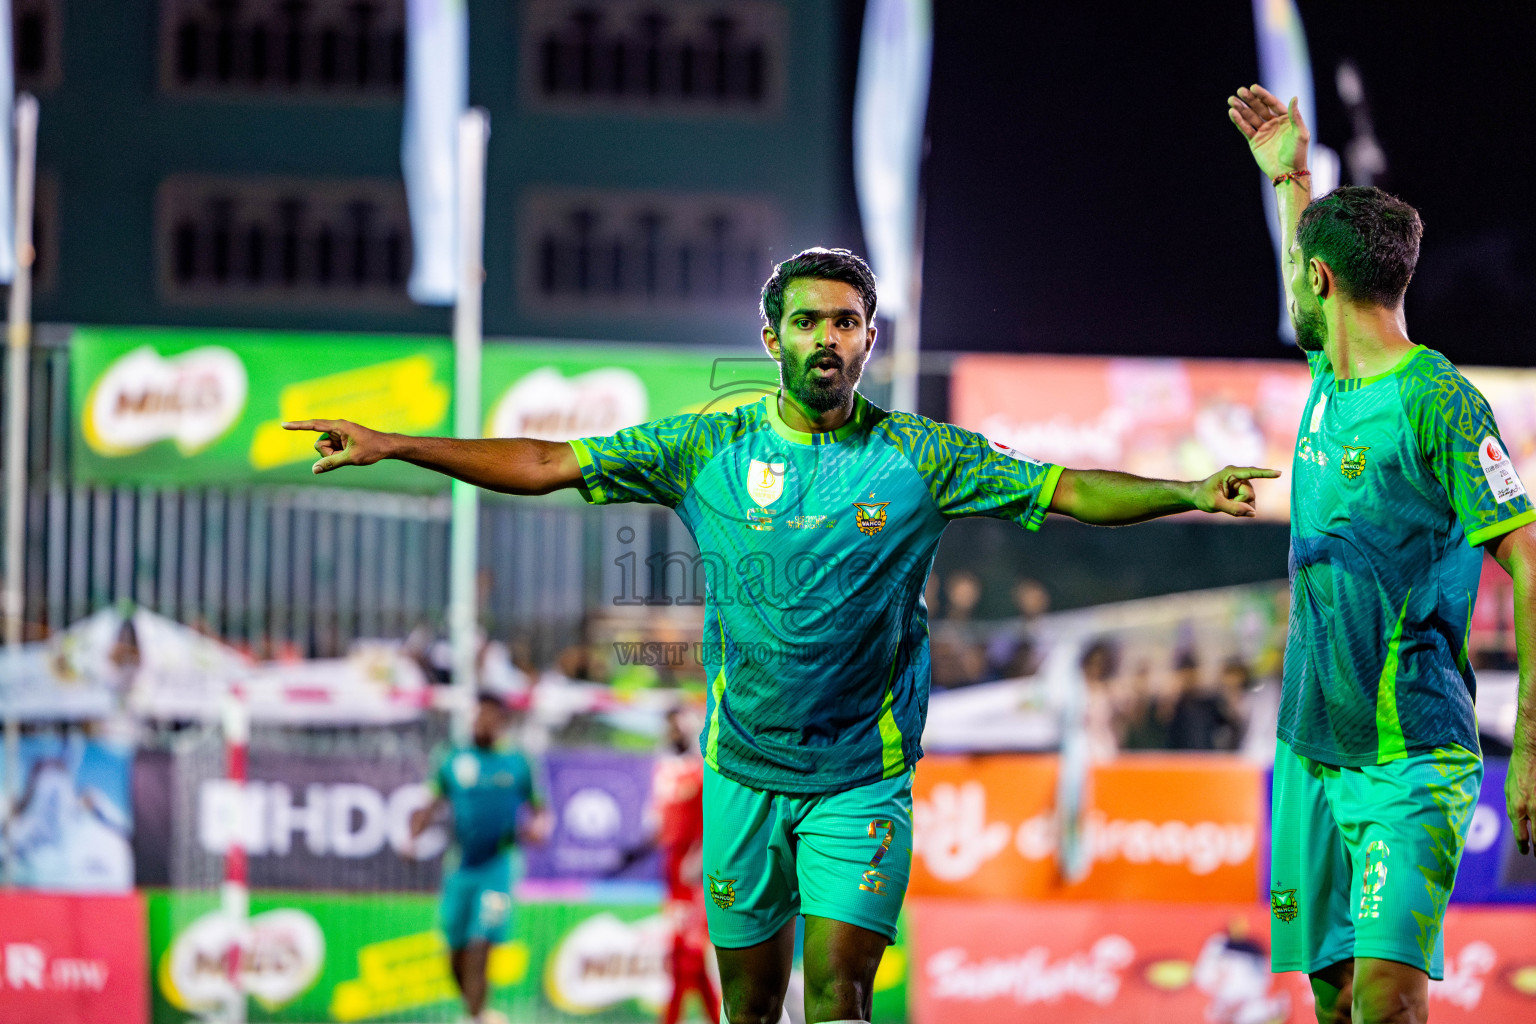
(72, 959)
(173, 405)
(576, 953)
(338, 822)
(1186, 418)
(1100, 963)
(986, 828)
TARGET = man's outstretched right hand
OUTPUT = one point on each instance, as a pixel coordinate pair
(1277, 136)
(344, 443)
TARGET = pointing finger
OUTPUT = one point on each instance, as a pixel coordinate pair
(1252, 473)
(310, 424)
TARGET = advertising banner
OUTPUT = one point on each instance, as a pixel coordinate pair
(1492, 869)
(1177, 418)
(71, 830)
(577, 953)
(205, 406)
(72, 959)
(1105, 963)
(986, 828)
(307, 822)
(599, 799)
(560, 391)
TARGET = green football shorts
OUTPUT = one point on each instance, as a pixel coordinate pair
(770, 856)
(1364, 859)
(477, 903)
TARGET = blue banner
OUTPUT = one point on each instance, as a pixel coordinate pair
(71, 828)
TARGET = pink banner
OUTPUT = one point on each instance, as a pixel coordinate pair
(1102, 963)
(1176, 418)
(73, 959)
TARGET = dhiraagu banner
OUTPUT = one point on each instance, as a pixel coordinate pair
(187, 406)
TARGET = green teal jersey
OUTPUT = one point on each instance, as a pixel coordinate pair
(814, 550)
(1397, 481)
(486, 790)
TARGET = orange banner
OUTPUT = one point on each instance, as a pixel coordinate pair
(1104, 963)
(1176, 418)
(1182, 828)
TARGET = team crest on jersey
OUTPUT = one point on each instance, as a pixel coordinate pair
(870, 516)
(1353, 463)
(1283, 903)
(722, 891)
(466, 770)
(765, 481)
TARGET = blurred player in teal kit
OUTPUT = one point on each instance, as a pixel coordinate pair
(1400, 483)
(817, 516)
(489, 790)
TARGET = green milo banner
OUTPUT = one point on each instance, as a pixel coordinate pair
(378, 957)
(195, 406)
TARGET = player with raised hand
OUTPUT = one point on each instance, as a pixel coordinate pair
(1400, 483)
(817, 516)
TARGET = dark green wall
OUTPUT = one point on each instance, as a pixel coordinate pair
(110, 135)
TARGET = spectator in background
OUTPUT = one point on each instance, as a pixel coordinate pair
(959, 658)
(1100, 663)
(1202, 717)
(1237, 689)
(1148, 712)
(1014, 651)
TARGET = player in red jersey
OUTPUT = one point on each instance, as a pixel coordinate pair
(677, 794)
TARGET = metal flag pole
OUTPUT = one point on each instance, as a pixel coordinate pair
(235, 894)
(890, 111)
(19, 336)
(463, 604)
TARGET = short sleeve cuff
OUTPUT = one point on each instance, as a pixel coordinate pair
(591, 486)
(1043, 502)
(1477, 538)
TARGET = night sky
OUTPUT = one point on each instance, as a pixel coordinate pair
(1086, 193)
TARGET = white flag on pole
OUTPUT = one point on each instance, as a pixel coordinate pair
(436, 93)
(7, 149)
(1285, 69)
(889, 112)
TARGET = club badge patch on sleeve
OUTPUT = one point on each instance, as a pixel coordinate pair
(1014, 453)
(1499, 471)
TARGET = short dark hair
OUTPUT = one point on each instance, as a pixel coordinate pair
(820, 264)
(1369, 238)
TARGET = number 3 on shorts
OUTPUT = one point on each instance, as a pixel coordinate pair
(874, 881)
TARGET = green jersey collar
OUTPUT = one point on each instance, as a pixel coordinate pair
(1356, 383)
(789, 433)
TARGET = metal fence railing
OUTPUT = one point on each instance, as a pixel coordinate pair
(300, 571)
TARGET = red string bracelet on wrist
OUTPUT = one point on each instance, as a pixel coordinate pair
(1290, 176)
